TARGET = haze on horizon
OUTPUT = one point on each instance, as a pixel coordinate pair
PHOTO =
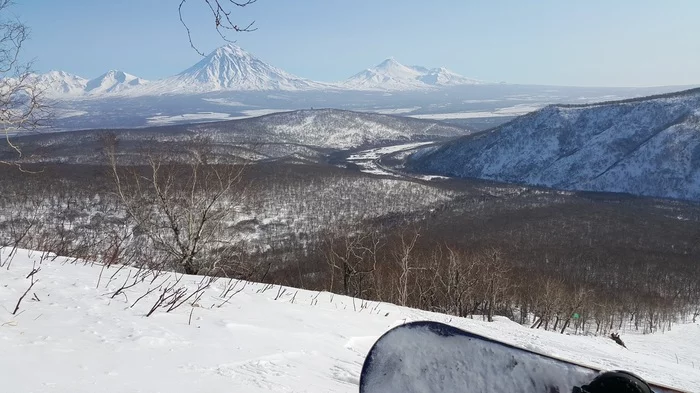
(593, 43)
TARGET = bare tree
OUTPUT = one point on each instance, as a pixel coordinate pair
(21, 105)
(402, 256)
(183, 207)
(221, 11)
(354, 257)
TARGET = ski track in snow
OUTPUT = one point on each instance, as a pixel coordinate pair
(77, 338)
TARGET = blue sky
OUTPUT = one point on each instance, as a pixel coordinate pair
(558, 42)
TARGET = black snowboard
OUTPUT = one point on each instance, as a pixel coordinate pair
(431, 357)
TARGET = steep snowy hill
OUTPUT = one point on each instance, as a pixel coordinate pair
(76, 330)
(648, 146)
(113, 81)
(60, 83)
(231, 68)
(336, 129)
(392, 75)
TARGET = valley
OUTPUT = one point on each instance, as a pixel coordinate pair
(219, 196)
(333, 200)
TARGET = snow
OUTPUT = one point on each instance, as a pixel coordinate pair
(61, 113)
(373, 154)
(392, 75)
(76, 337)
(60, 83)
(226, 102)
(515, 110)
(208, 116)
(113, 81)
(396, 111)
(259, 112)
(330, 128)
(645, 146)
(231, 68)
(161, 120)
(367, 160)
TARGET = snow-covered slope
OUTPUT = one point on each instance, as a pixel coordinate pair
(231, 68)
(392, 75)
(73, 334)
(113, 81)
(648, 146)
(443, 77)
(60, 83)
(337, 129)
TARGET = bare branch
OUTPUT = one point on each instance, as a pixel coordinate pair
(221, 11)
(22, 106)
(30, 276)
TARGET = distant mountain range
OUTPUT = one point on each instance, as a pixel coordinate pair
(648, 146)
(392, 75)
(230, 68)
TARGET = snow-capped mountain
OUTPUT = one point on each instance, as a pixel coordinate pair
(443, 77)
(648, 146)
(231, 68)
(113, 81)
(389, 75)
(60, 83)
(392, 75)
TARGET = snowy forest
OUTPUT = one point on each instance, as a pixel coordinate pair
(562, 261)
(333, 197)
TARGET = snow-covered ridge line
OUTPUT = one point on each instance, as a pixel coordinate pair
(230, 68)
(646, 146)
(392, 75)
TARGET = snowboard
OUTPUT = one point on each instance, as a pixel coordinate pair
(432, 357)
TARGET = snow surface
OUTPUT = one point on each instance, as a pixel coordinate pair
(60, 83)
(367, 160)
(231, 68)
(75, 337)
(202, 117)
(113, 81)
(516, 110)
(338, 129)
(648, 146)
(392, 75)
(161, 120)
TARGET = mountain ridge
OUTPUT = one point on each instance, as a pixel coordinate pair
(645, 146)
(392, 75)
(230, 68)
(113, 81)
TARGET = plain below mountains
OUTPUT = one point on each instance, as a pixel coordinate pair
(648, 146)
(308, 133)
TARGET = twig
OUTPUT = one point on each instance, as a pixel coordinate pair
(151, 290)
(233, 294)
(31, 275)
